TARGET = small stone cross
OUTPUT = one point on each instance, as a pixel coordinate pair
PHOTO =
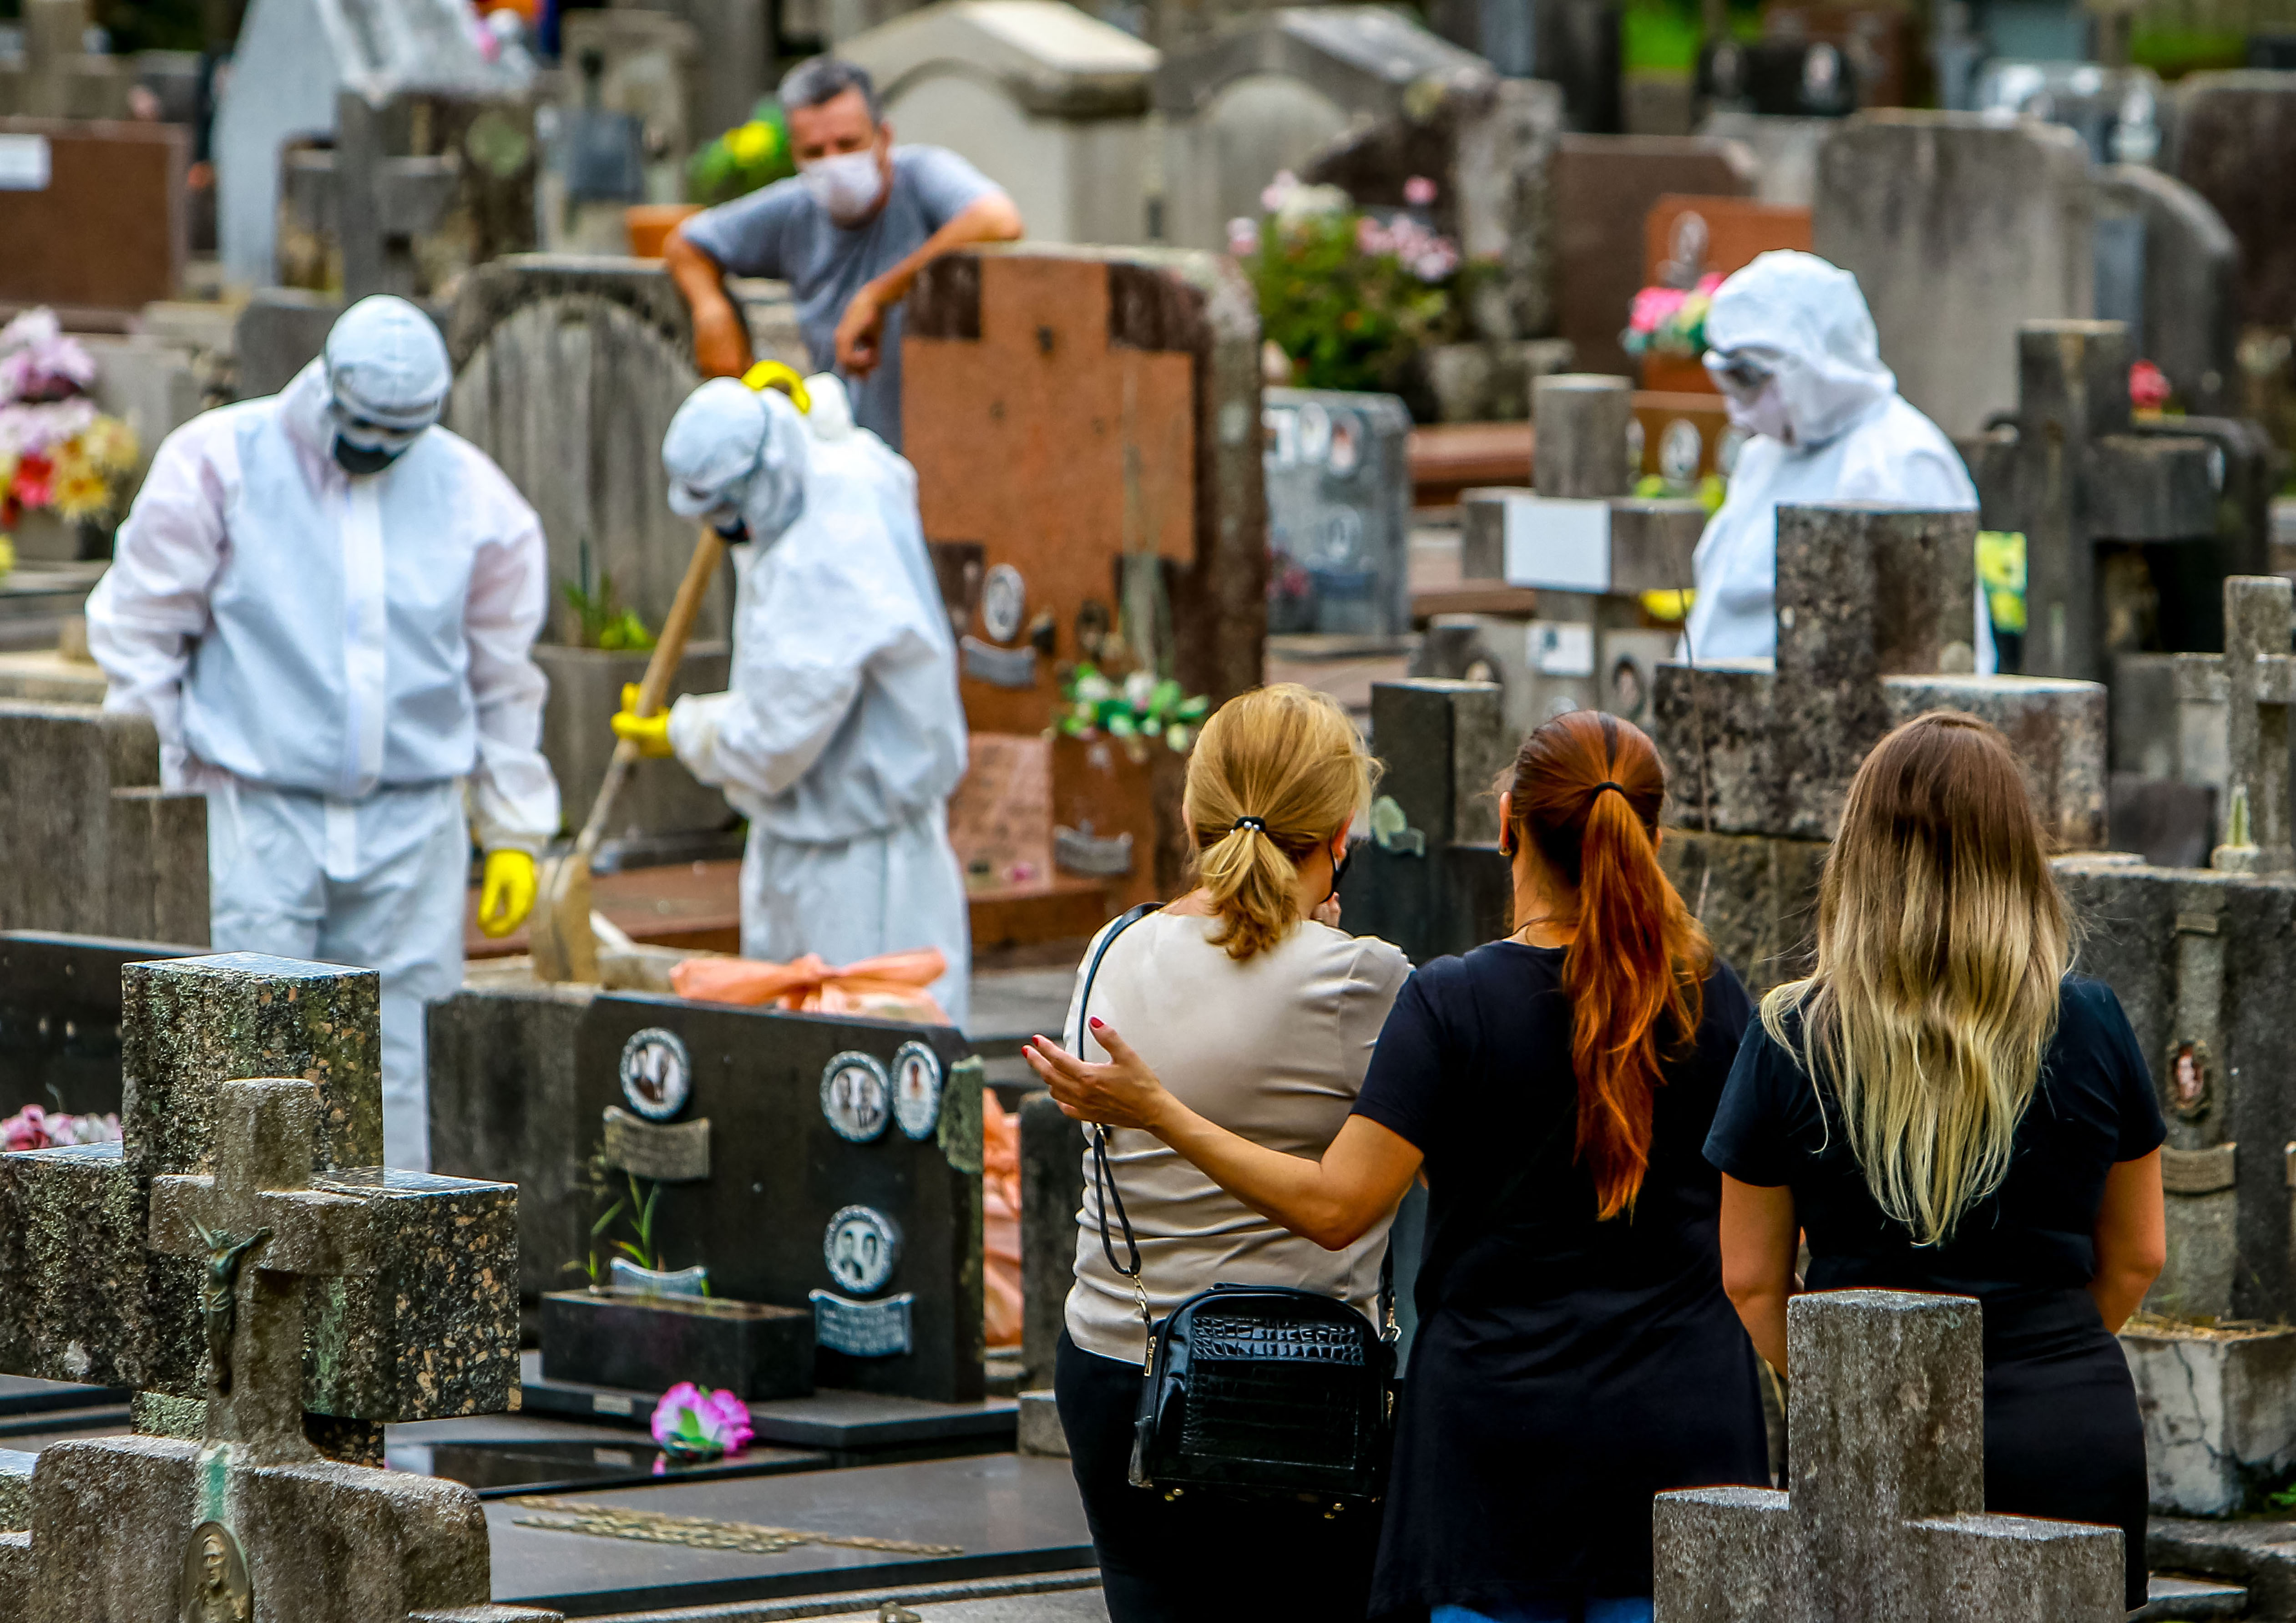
(259, 1229)
(1885, 1520)
(2259, 682)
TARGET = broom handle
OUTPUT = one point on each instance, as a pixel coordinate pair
(709, 553)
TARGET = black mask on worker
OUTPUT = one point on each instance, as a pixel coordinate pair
(363, 459)
(733, 530)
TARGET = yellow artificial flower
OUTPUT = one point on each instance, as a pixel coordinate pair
(7, 552)
(751, 143)
(70, 460)
(111, 444)
(82, 493)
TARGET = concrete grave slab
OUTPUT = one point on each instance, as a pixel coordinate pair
(994, 1515)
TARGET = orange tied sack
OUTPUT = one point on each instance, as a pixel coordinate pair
(1000, 1222)
(890, 986)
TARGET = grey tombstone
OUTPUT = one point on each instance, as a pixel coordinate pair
(2235, 134)
(1786, 151)
(248, 1513)
(1273, 93)
(426, 183)
(2111, 513)
(1955, 224)
(735, 69)
(89, 842)
(1884, 1522)
(2186, 314)
(522, 1081)
(1048, 101)
(293, 60)
(1339, 512)
(566, 373)
(280, 331)
(1587, 549)
(55, 75)
(420, 1329)
(1875, 615)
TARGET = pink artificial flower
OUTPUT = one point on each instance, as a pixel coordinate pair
(1419, 191)
(1242, 237)
(2148, 386)
(691, 1420)
(1652, 307)
(1708, 283)
(1372, 238)
(25, 1130)
(1284, 184)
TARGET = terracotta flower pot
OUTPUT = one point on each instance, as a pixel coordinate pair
(649, 225)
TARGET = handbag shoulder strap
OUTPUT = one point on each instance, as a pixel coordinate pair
(1103, 1180)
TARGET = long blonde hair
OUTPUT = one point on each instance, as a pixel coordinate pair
(1941, 940)
(1287, 759)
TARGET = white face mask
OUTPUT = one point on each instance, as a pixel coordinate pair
(1763, 413)
(848, 185)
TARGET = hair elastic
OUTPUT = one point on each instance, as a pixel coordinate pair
(1607, 783)
(1253, 823)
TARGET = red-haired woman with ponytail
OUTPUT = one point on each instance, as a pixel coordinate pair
(1576, 1351)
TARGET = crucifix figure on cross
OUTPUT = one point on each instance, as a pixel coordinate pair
(219, 1298)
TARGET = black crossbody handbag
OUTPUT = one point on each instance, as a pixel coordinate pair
(1255, 1391)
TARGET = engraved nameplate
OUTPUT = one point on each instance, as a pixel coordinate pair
(862, 1330)
(999, 667)
(667, 1152)
(2196, 1172)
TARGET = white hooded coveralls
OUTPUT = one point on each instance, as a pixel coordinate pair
(327, 658)
(843, 736)
(1855, 439)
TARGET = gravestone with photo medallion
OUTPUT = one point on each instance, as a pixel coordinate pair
(819, 1176)
(1339, 512)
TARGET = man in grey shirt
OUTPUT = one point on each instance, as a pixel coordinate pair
(848, 234)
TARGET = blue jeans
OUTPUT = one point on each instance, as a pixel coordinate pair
(1635, 1608)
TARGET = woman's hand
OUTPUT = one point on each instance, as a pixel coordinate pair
(1122, 1094)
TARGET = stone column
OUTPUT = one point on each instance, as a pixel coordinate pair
(1581, 421)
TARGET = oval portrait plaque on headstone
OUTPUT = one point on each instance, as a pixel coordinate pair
(860, 1246)
(916, 1090)
(215, 1588)
(857, 1096)
(657, 1073)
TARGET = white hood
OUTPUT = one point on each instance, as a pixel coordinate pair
(1809, 322)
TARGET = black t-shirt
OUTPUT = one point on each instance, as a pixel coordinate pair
(1473, 1067)
(2092, 1106)
(1566, 1369)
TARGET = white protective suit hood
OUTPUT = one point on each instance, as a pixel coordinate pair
(1853, 438)
(734, 450)
(387, 372)
(1808, 322)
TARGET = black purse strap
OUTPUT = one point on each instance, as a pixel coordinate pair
(1103, 1180)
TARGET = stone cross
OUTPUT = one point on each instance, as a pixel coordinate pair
(184, 1260)
(1885, 1519)
(258, 1230)
(2073, 472)
(425, 1327)
(2259, 680)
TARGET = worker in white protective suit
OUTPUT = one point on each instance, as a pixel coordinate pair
(842, 737)
(1790, 343)
(327, 605)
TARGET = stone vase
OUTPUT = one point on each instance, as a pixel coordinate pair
(2219, 1410)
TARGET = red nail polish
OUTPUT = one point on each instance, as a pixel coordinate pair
(1098, 1022)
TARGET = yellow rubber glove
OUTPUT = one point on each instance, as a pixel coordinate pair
(652, 733)
(507, 896)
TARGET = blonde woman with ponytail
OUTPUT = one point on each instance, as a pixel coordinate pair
(1943, 1106)
(1576, 1353)
(1261, 1014)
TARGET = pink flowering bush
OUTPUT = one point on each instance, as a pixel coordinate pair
(33, 1128)
(1671, 320)
(1348, 295)
(694, 1422)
